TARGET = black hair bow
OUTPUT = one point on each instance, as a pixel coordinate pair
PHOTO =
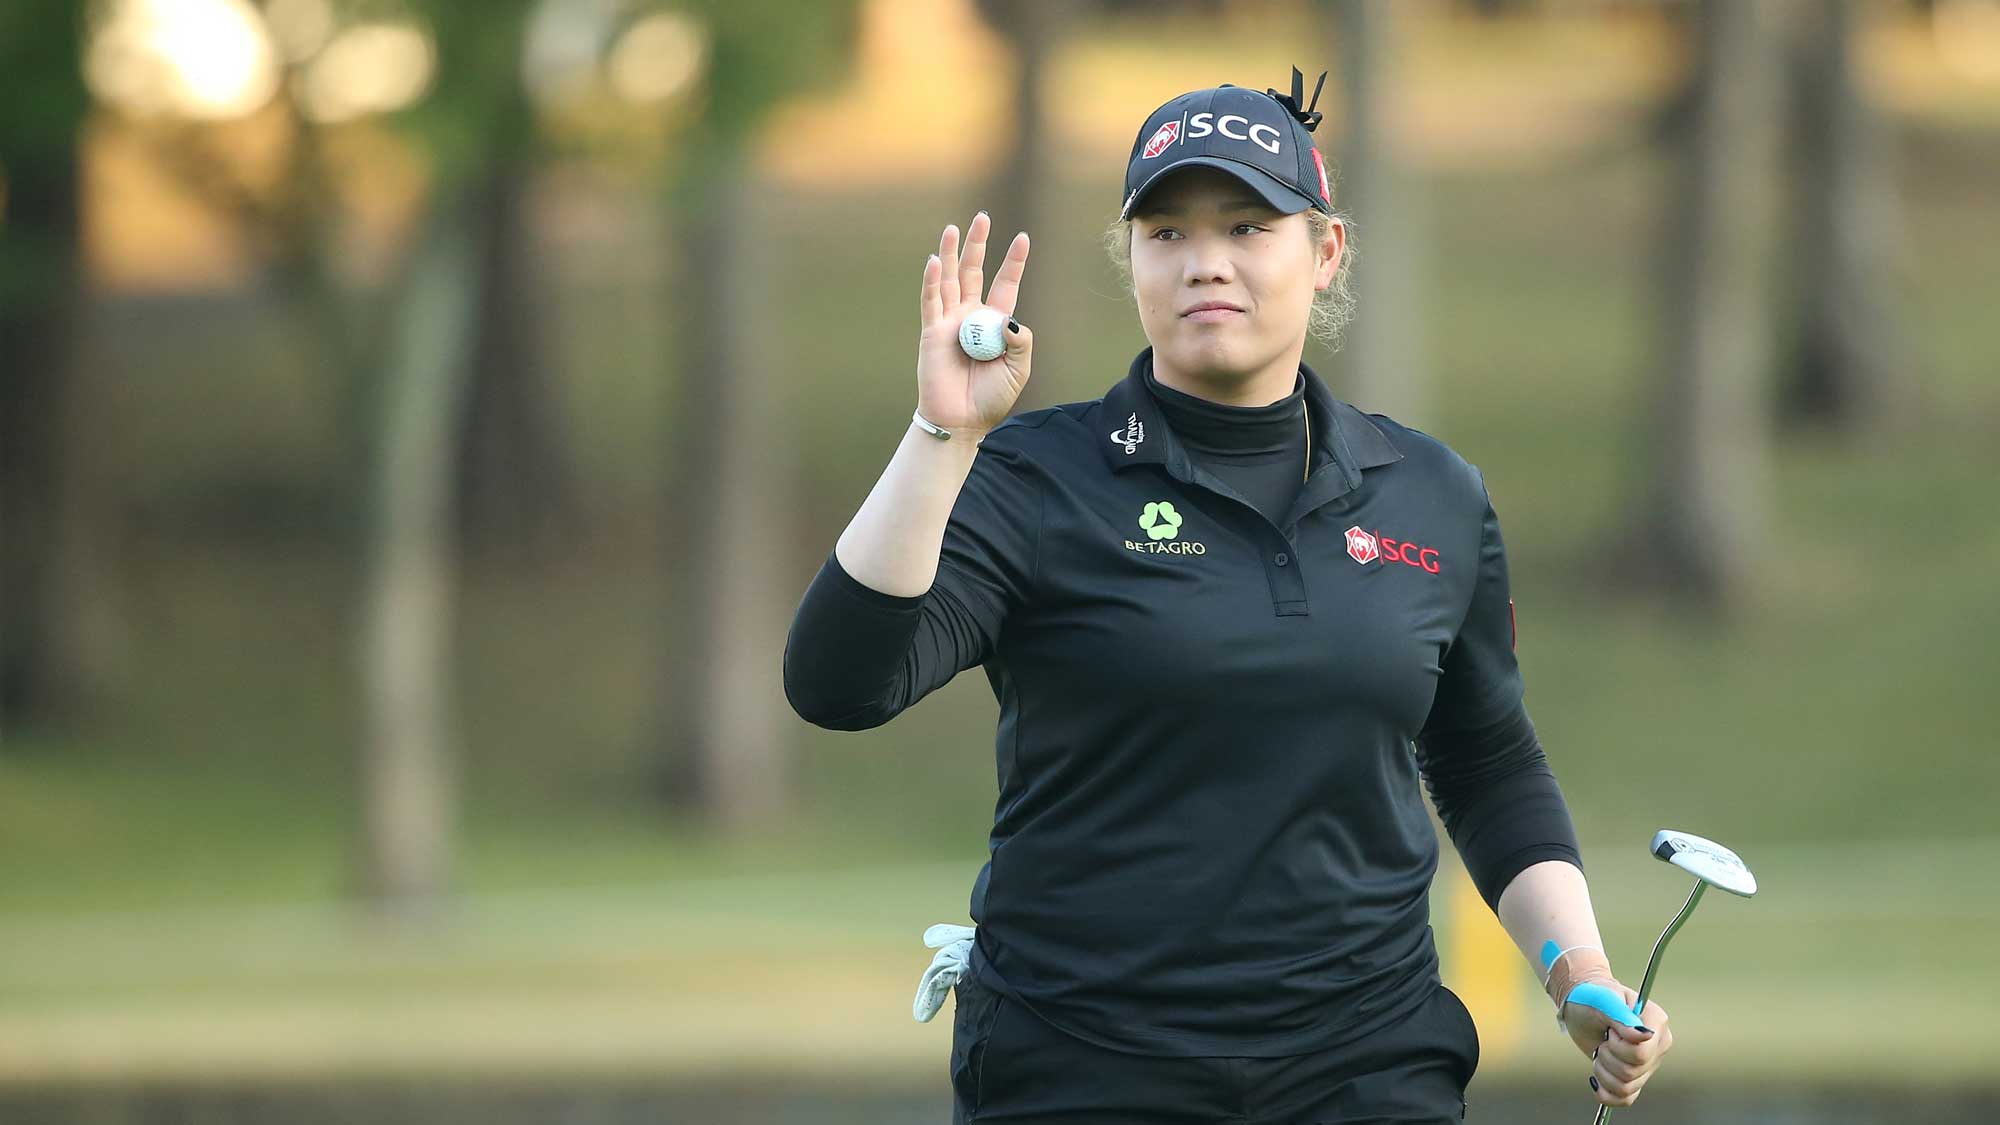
(1309, 117)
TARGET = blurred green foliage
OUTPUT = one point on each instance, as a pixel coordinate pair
(766, 51)
(476, 110)
(40, 41)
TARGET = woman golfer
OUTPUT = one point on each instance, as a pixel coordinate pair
(1233, 625)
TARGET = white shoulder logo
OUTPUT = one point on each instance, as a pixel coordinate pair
(1130, 437)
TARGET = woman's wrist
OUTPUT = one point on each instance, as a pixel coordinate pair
(946, 433)
(1574, 966)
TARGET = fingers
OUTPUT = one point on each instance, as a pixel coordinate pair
(930, 297)
(1653, 1023)
(1617, 1080)
(962, 272)
(1628, 1058)
(1631, 1047)
(1612, 1090)
(1654, 1016)
(948, 265)
(972, 265)
(1607, 1065)
(1007, 282)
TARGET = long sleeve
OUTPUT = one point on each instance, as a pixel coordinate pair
(857, 657)
(1480, 758)
(1499, 800)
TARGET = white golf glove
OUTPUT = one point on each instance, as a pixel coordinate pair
(954, 955)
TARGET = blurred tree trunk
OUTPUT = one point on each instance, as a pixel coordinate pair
(728, 764)
(517, 490)
(39, 254)
(722, 727)
(408, 782)
(1851, 365)
(1016, 196)
(1383, 365)
(1703, 432)
(409, 758)
(50, 668)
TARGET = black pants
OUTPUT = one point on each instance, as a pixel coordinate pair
(1007, 1064)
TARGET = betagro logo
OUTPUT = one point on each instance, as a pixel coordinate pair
(1162, 525)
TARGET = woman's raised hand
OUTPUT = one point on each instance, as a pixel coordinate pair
(953, 389)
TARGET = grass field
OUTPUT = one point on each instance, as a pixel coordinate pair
(1849, 965)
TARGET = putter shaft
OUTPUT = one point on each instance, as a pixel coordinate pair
(1653, 967)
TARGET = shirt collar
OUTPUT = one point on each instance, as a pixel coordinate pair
(1138, 433)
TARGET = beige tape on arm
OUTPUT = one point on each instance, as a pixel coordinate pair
(1572, 967)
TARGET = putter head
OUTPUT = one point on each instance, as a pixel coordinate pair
(1705, 860)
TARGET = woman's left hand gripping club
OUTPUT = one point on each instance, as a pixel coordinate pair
(1625, 1046)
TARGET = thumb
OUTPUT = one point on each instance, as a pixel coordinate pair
(1605, 999)
(1020, 341)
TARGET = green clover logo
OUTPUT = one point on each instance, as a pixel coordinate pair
(1160, 520)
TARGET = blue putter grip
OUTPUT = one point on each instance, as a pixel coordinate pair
(1590, 994)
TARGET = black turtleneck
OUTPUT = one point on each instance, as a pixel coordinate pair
(1259, 451)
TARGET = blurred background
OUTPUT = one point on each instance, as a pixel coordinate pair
(419, 420)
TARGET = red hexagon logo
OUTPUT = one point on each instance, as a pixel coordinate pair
(1362, 546)
(1165, 135)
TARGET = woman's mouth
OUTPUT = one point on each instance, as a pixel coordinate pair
(1207, 316)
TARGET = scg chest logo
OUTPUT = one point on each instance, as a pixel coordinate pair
(1162, 525)
(1365, 547)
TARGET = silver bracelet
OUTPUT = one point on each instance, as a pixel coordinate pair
(935, 431)
(1559, 956)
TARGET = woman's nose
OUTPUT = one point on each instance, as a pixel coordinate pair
(1208, 264)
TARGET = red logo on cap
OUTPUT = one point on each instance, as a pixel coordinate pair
(1324, 192)
(1163, 136)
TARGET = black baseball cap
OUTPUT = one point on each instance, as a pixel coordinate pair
(1263, 139)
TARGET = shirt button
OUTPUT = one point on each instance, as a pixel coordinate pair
(1281, 558)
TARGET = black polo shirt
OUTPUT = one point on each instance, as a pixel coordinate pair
(1210, 837)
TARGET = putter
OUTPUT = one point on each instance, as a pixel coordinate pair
(1711, 864)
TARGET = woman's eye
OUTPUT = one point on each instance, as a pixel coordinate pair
(1163, 232)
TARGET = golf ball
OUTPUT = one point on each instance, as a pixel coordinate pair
(980, 334)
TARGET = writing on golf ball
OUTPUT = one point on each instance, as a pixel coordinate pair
(981, 334)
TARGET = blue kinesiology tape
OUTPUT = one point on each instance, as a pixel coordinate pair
(1591, 994)
(1550, 951)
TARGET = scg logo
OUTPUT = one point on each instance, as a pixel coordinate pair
(1409, 554)
(1367, 546)
(1204, 123)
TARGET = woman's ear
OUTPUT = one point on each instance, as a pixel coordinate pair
(1332, 249)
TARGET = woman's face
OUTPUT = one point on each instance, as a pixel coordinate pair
(1201, 236)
